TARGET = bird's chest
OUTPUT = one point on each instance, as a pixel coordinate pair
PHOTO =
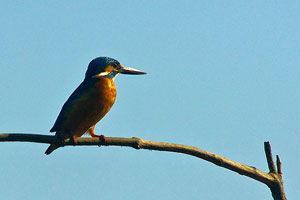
(105, 93)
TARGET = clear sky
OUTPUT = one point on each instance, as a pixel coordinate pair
(222, 76)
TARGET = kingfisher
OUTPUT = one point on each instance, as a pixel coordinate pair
(90, 102)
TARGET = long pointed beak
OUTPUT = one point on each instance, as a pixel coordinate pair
(132, 71)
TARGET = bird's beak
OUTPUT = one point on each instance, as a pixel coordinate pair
(128, 70)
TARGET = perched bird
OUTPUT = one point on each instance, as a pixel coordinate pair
(89, 103)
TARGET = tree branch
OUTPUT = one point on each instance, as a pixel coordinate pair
(277, 187)
(273, 179)
(269, 157)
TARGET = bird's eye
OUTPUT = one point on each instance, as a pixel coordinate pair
(117, 67)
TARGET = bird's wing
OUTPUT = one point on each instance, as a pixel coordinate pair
(77, 98)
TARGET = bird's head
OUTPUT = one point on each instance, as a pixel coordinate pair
(108, 67)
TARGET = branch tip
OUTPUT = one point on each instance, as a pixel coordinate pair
(278, 164)
(269, 157)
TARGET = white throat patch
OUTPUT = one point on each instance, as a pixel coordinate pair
(112, 74)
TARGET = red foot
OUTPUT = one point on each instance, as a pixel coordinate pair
(102, 137)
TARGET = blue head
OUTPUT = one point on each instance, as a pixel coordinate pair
(108, 67)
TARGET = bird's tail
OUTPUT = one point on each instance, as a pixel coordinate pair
(51, 148)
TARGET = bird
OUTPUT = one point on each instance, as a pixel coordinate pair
(90, 102)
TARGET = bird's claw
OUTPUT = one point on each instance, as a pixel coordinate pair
(103, 138)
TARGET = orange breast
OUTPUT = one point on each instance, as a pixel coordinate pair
(94, 100)
(105, 96)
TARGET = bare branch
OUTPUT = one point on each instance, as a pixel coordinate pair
(273, 179)
(269, 156)
(278, 164)
(277, 187)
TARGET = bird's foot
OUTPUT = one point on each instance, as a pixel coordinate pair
(102, 137)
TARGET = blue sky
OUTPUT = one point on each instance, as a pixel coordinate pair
(222, 76)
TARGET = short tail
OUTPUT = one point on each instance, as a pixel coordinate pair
(50, 149)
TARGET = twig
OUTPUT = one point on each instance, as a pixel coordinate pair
(269, 157)
(277, 187)
(278, 164)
